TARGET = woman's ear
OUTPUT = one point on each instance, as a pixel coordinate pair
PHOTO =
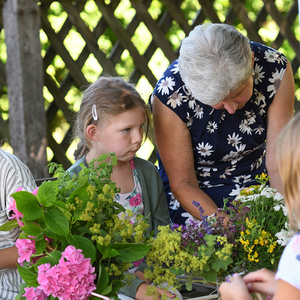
(92, 133)
(252, 59)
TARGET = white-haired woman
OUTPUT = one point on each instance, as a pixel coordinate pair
(217, 112)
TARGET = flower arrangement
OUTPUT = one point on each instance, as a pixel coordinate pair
(209, 250)
(76, 241)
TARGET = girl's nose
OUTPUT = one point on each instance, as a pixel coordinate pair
(138, 136)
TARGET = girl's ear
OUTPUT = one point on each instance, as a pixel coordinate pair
(92, 133)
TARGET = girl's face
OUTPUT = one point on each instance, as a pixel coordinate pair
(237, 98)
(122, 134)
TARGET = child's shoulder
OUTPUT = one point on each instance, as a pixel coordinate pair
(143, 163)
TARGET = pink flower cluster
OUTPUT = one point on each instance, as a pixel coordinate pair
(26, 248)
(71, 279)
(13, 207)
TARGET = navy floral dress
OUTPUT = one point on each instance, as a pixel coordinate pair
(229, 150)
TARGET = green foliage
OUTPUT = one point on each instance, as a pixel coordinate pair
(82, 211)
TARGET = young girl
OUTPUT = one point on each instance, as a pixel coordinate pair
(111, 118)
(285, 284)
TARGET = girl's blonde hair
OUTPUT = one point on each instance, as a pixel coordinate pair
(112, 96)
(288, 163)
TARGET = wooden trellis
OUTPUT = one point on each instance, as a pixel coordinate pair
(170, 14)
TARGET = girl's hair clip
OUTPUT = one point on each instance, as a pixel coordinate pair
(94, 112)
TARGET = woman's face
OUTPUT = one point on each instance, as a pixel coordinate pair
(237, 98)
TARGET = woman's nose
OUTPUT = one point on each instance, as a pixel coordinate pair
(231, 107)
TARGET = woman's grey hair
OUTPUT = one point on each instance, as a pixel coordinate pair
(214, 60)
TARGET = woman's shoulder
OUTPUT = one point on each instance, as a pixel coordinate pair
(267, 55)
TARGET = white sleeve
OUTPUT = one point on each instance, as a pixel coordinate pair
(289, 264)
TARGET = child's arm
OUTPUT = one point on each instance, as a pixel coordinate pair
(236, 289)
(286, 291)
(262, 281)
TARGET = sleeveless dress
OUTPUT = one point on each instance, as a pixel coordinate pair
(229, 150)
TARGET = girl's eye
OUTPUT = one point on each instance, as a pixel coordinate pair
(126, 130)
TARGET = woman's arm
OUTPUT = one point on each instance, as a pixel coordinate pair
(175, 149)
(279, 113)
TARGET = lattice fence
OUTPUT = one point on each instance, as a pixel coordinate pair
(136, 39)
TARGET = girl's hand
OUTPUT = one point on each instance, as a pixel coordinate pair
(262, 281)
(141, 293)
(235, 289)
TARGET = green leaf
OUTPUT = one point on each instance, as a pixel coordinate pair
(221, 264)
(210, 276)
(85, 244)
(32, 229)
(107, 251)
(57, 222)
(102, 280)
(9, 225)
(131, 252)
(50, 234)
(52, 258)
(47, 193)
(40, 245)
(28, 275)
(28, 205)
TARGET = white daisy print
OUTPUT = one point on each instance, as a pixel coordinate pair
(281, 59)
(174, 100)
(245, 128)
(192, 104)
(262, 111)
(251, 117)
(206, 162)
(174, 203)
(235, 191)
(234, 139)
(211, 126)
(175, 69)
(256, 164)
(259, 130)
(189, 123)
(271, 55)
(276, 79)
(228, 172)
(204, 150)
(165, 85)
(259, 98)
(258, 74)
(242, 179)
(198, 112)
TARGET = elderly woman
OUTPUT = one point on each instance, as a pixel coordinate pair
(217, 112)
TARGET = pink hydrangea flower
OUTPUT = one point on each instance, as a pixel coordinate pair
(34, 294)
(13, 207)
(26, 248)
(15, 213)
(135, 201)
(71, 279)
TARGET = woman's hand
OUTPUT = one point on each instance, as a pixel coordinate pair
(262, 281)
(235, 289)
(141, 293)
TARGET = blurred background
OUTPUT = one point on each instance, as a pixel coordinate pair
(51, 50)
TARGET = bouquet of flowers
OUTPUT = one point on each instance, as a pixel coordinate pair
(254, 238)
(76, 241)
